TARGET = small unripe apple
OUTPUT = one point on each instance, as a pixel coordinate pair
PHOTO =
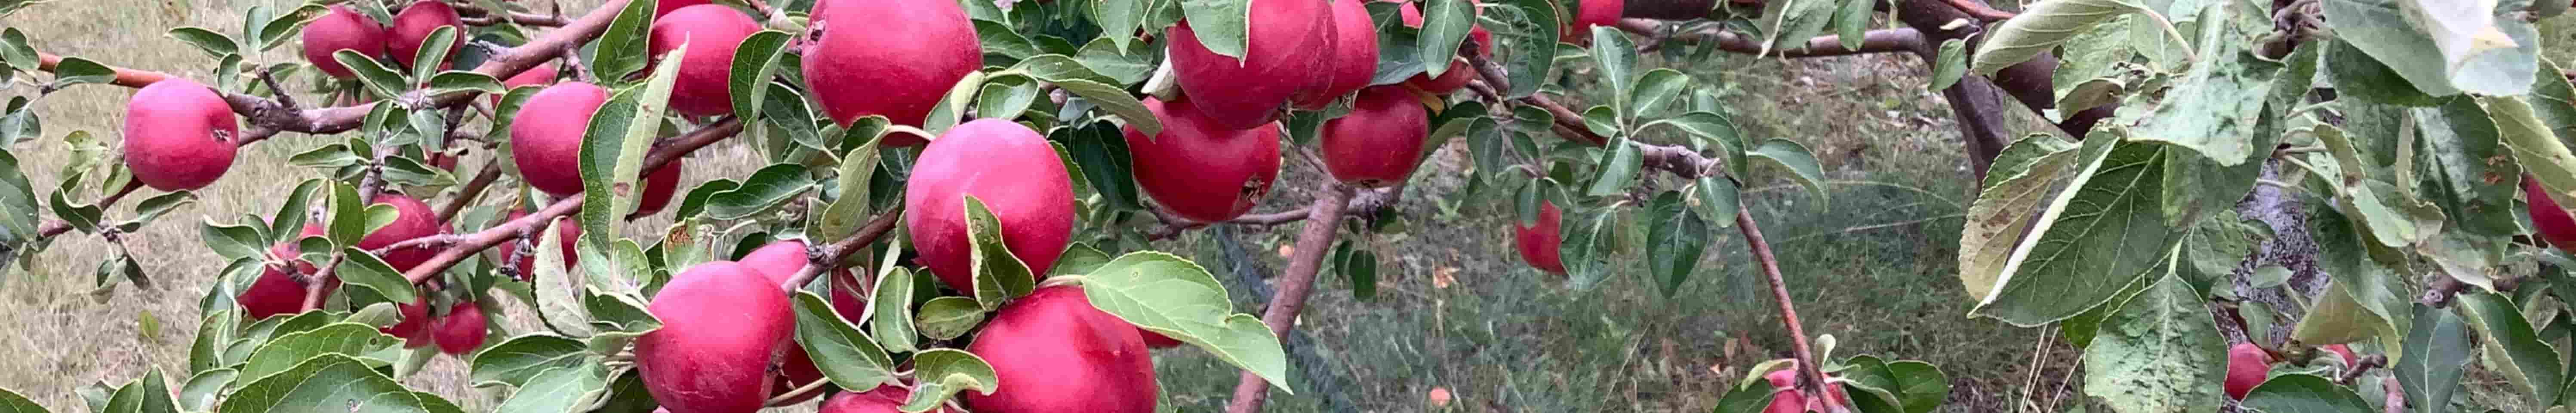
(545, 138)
(894, 58)
(1538, 242)
(1785, 397)
(1459, 72)
(722, 326)
(414, 25)
(461, 331)
(1380, 141)
(1199, 168)
(2551, 220)
(179, 135)
(1287, 46)
(1354, 60)
(342, 29)
(711, 32)
(414, 326)
(1589, 14)
(527, 264)
(1054, 352)
(2247, 365)
(1017, 175)
(885, 399)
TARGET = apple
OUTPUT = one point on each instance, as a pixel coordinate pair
(1785, 397)
(2555, 225)
(414, 326)
(545, 137)
(1200, 168)
(541, 75)
(416, 22)
(1459, 72)
(527, 264)
(342, 29)
(1158, 341)
(895, 58)
(1591, 13)
(1538, 242)
(2346, 351)
(461, 331)
(659, 186)
(1286, 49)
(884, 399)
(665, 7)
(276, 292)
(778, 262)
(1054, 352)
(417, 220)
(179, 135)
(722, 326)
(1380, 141)
(1017, 175)
(711, 32)
(2246, 368)
(1354, 61)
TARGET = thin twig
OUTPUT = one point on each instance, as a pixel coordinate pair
(1312, 244)
(796, 395)
(478, 241)
(58, 227)
(836, 255)
(473, 190)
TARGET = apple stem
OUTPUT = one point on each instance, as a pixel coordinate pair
(1322, 224)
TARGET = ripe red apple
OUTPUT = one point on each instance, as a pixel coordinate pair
(417, 220)
(541, 75)
(414, 25)
(659, 186)
(894, 58)
(1018, 177)
(665, 7)
(1459, 72)
(1199, 168)
(711, 32)
(2246, 367)
(414, 326)
(179, 135)
(2346, 351)
(1785, 397)
(2553, 222)
(461, 331)
(1380, 141)
(545, 138)
(342, 28)
(1285, 50)
(1538, 242)
(1354, 60)
(885, 399)
(722, 325)
(527, 264)
(776, 263)
(1588, 14)
(849, 296)
(276, 292)
(1157, 341)
(1054, 352)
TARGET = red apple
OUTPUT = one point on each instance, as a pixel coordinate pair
(1017, 175)
(179, 135)
(1354, 61)
(894, 58)
(2346, 351)
(1288, 45)
(414, 326)
(545, 138)
(722, 326)
(461, 331)
(417, 220)
(1380, 141)
(665, 7)
(1588, 14)
(2246, 368)
(776, 263)
(527, 264)
(276, 292)
(711, 32)
(2555, 225)
(416, 22)
(1199, 168)
(1054, 352)
(1538, 242)
(342, 29)
(1785, 397)
(1459, 72)
(541, 75)
(659, 186)
(884, 399)
(1155, 340)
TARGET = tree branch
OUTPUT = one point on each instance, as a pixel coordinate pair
(478, 241)
(473, 190)
(1980, 10)
(477, 16)
(1312, 245)
(1366, 202)
(1875, 41)
(836, 255)
(58, 227)
(1807, 363)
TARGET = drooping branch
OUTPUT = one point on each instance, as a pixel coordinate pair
(1874, 41)
(469, 244)
(1313, 244)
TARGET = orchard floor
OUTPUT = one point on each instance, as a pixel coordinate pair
(1872, 265)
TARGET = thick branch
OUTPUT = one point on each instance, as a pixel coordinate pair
(1667, 9)
(1875, 41)
(1312, 244)
(478, 241)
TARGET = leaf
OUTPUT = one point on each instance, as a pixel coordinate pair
(613, 148)
(1532, 30)
(771, 187)
(559, 389)
(2435, 357)
(1948, 65)
(891, 317)
(846, 356)
(999, 276)
(292, 349)
(1219, 25)
(1655, 90)
(332, 380)
(1118, 16)
(558, 294)
(434, 50)
(364, 269)
(1618, 59)
(14, 48)
(1800, 163)
(515, 362)
(274, 32)
(1444, 28)
(1117, 101)
(1787, 25)
(1618, 167)
(953, 104)
(947, 318)
(1174, 297)
(2041, 26)
(78, 71)
(2212, 108)
(1005, 99)
(1122, 64)
(215, 45)
(2513, 347)
(12, 402)
(1101, 150)
(622, 49)
(1921, 386)
(18, 204)
(2085, 248)
(374, 75)
(2491, 57)
(2304, 393)
(2159, 353)
(942, 373)
(198, 395)
(851, 210)
(2534, 145)
(1675, 238)
(754, 62)
(459, 81)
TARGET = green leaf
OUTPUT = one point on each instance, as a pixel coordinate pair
(1619, 166)
(1618, 59)
(1532, 31)
(1172, 296)
(15, 50)
(2043, 25)
(999, 276)
(942, 373)
(364, 269)
(1219, 25)
(378, 79)
(1444, 27)
(2212, 108)
(953, 105)
(513, 363)
(434, 50)
(1116, 101)
(78, 71)
(754, 62)
(2435, 357)
(1675, 238)
(851, 210)
(2304, 393)
(1357, 267)
(947, 318)
(1948, 65)
(292, 349)
(215, 45)
(461, 81)
(2086, 245)
(891, 317)
(332, 380)
(12, 402)
(1655, 90)
(1787, 25)
(846, 356)
(197, 395)
(18, 204)
(1800, 163)
(1921, 386)
(1118, 16)
(2493, 58)
(81, 217)
(274, 32)
(2513, 347)
(149, 394)
(1006, 99)
(771, 187)
(613, 149)
(2534, 144)
(623, 49)
(2160, 352)
(1122, 64)
(558, 294)
(1100, 148)
(559, 389)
